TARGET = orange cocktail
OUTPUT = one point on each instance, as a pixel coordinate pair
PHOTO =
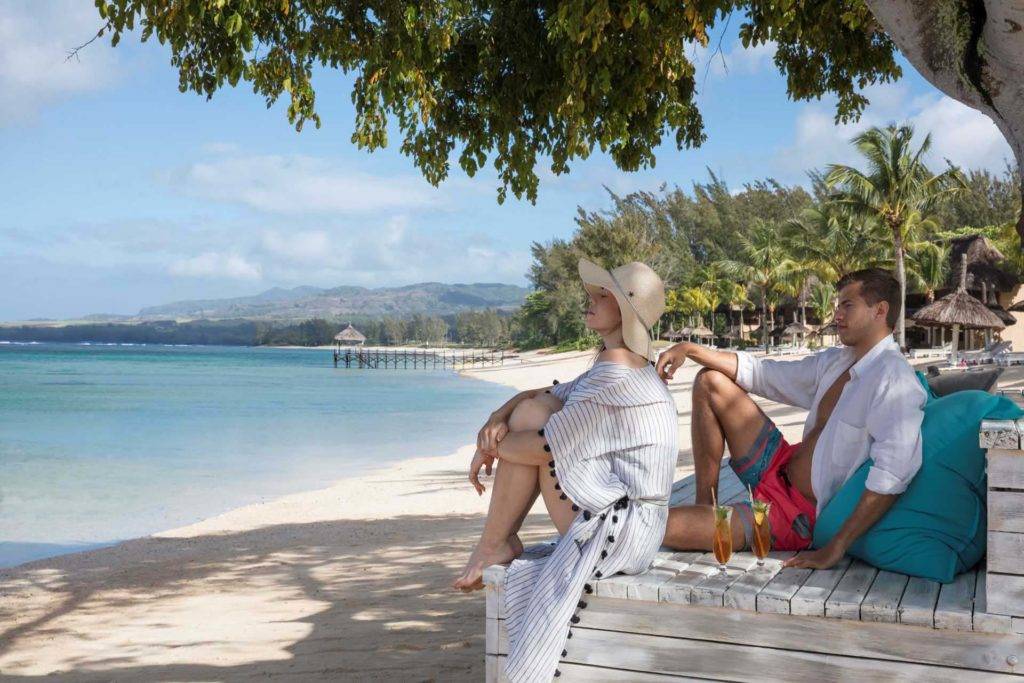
(762, 531)
(722, 543)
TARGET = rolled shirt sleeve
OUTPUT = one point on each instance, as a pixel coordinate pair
(894, 424)
(792, 382)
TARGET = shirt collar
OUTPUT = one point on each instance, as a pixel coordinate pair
(861, 366)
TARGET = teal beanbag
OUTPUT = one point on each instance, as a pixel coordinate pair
(936, 528)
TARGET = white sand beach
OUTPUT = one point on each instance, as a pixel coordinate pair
(345, 583)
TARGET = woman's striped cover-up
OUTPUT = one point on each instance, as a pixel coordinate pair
(614, 446)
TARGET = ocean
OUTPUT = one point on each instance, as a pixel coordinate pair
(101, 443)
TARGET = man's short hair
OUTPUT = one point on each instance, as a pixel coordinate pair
(876, 285)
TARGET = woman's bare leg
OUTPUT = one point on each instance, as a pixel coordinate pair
(513, 492)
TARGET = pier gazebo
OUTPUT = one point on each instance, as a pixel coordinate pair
(349, 336)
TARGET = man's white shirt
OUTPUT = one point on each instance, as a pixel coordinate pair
(878, 414)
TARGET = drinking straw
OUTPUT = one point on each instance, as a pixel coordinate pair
(751, 491)
(713, 499)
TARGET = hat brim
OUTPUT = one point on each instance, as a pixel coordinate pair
(634, 334)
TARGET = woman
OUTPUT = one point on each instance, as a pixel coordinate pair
(602, 451)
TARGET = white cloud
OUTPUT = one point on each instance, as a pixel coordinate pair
(302, 247)
(214, 265)
(302, 185)
(387, 252)
(35, 38)
(963, 135)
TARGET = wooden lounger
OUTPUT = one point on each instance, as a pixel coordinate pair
(682, 620)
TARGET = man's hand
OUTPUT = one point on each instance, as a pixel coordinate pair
(493, 431)
(822, 558)
(671, 360)
(480, 460)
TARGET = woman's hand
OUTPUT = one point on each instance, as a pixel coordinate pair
(480, 459)
(493, 431)
(672, 359)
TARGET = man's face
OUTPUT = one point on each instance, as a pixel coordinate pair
(856, 319)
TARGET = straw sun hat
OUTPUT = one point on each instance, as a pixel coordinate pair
(640, 294)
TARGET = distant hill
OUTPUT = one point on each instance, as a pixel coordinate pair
(302, 303)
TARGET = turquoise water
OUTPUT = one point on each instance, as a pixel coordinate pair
(104, 443)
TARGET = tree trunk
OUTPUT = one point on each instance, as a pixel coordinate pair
(985, 71)
(901, 276)
(740, 332)
(764, 320)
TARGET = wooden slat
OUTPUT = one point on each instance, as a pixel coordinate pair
(999, 434)
(1005, 594)
(614, 586)
(673, 656)
(1005, 510)
(955, 607)
(584, 674)
(665, 568)
(712, 590)
(679, 588)
(742, 594)
(1005, 469)
(918, 604)
(883, 599)
(494, 588)
(810, 599)
(1005, 552)
(775, 597)
(983, 620)
(844, 603)
(619, 620)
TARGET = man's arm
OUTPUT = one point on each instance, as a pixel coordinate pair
(792, 382)
(870, 508)
(672, 359)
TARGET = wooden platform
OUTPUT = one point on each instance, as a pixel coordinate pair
(683, 620)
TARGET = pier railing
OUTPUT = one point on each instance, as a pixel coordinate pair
(415, 359)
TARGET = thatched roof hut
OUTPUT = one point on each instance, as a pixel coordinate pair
(793, 329)
(350, 336)
(959, 310)
(983, 271)
(701, 332)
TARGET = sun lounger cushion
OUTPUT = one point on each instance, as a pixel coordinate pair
(936, 529)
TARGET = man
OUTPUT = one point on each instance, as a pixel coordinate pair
(864, 401)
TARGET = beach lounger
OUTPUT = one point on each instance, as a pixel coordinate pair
(682, 620)
(989, 354)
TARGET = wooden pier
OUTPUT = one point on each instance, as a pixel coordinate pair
(415, 359)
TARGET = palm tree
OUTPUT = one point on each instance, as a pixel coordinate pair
(928, 267)
(762, 255)
(735, 296)
(897, 189)
(823, 302)
(835, 239)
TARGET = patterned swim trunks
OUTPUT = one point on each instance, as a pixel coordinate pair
(763, 469)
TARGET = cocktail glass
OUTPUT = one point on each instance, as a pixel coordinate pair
(762, 530)
(723, 535)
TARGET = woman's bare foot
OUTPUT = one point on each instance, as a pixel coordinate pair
(516, 545)
(472, 578)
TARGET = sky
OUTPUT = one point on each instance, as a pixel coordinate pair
(120, 192)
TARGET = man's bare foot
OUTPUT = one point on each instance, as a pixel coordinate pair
(472, 578)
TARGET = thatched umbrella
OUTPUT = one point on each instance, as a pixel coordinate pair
(701, 332)
(795, 328)
(959, 310)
